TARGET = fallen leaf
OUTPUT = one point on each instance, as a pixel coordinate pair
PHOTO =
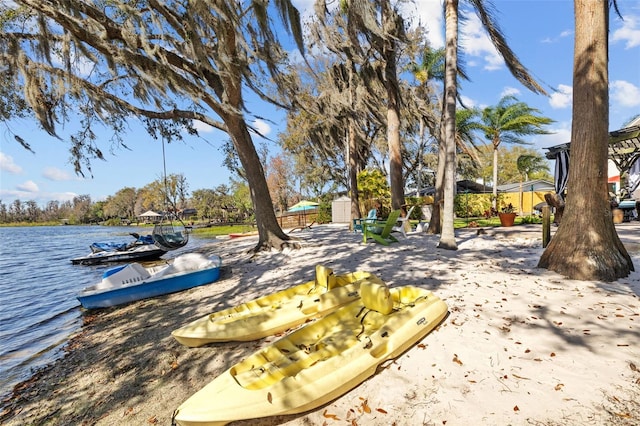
(456, 359)
(269, 397)
(516, 408)
(527, 351)
(552, 354)
(330, 416)
(380, 410)
(559, 386)
(152, 420)
(128, 411)
(365, 407)
(633, 367)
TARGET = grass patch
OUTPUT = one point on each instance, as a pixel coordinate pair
(217, 230)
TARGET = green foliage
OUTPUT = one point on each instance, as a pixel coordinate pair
(472, 205)
(416, 214)
(531, 219)
(372, 184)
(114, 221)
(324, 212)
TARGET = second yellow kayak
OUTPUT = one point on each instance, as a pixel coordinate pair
(276, 312)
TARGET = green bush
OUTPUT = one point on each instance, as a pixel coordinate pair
(324, 212)
(531, 219)
(472, 205)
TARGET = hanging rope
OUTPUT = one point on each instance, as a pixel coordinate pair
(166, 235)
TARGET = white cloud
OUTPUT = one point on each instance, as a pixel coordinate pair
(262, 126)
(60, 196)
(566, 33)
(562, 98)
(28, 186)
(305, 7)
(625, 93)
(202, 127)
(510, 91)
(7, 164)
(628, 33)
(563, 34)
(55, 174)
(467, 101)
(476, 43)
(561, 133)
(430, 16)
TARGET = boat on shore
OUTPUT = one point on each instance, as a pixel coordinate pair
(142, 248)
(276, 312)
(320, 361)
(132, 282)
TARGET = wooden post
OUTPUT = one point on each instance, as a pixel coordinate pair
(546, 226)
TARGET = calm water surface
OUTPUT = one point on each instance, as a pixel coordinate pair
(38, 283)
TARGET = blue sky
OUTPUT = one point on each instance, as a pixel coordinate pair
(539, 31)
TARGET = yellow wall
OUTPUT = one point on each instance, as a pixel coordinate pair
(522, 205)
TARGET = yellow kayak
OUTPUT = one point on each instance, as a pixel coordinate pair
(320, 361)
(276, 312)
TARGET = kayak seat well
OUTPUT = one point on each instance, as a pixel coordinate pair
(275, 364)
(376, 296)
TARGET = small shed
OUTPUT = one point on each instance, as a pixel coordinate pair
(341, 210)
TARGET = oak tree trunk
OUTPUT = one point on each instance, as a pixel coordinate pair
(393, 115)
(586, 245)
(353, 173)
(269, 230)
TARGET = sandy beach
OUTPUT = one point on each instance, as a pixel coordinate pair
(521, 346)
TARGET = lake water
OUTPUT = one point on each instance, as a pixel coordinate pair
(38, 283)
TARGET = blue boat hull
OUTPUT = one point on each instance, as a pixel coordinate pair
(150, 288)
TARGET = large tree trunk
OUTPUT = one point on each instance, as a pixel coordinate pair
(353, 173)
(352, 151)
(393, 116)
(586, 245)
(447, 237)
(269, 231)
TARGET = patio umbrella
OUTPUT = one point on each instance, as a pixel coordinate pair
(303, 206)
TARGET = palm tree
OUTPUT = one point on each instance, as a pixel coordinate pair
(528, 163)
(509, 122)
(447, 152)
(483, 8)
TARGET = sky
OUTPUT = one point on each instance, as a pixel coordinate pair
(540, 32)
